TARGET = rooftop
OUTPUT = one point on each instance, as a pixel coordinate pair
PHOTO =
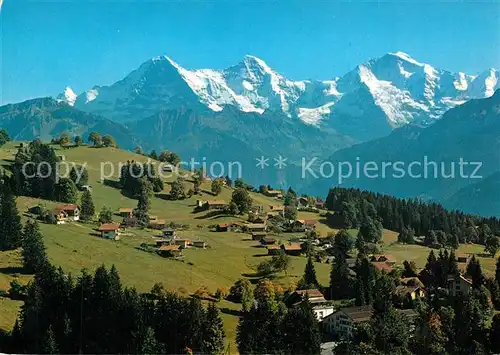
(169, 247)
(68, 207)
(107, 227)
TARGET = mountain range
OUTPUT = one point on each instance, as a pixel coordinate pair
(389, 108)
(365, 103)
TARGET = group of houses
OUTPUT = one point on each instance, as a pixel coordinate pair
(339, 323)
(172, 245)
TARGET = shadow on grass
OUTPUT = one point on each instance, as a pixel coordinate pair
(9, 270)
(232, 312)
(260, 255)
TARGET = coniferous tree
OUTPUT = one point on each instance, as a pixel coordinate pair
(309, 280)
(340, 280)
(49, 345)
(66, 191)
(213, 337)
(301, 330)
(10, 221)
(142, 210)
(150, 346)
(33, 250)
(87, 208)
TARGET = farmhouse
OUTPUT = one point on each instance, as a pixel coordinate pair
(256, 227)
(157, 224)
(125, 212)
(300, 225)
(277, 194)
(214, 205)
(292, 248)
(72, 210)
(223, 227)
(273, 249)
(109, 231)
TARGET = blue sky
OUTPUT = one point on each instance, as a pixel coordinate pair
(47, 45)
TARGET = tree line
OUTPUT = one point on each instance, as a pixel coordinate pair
(352, 208)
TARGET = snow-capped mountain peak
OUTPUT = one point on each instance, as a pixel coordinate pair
(404, 90)
(68, 96)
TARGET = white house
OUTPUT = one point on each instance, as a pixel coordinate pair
(458, 285)
(320, 305)
(343, 322)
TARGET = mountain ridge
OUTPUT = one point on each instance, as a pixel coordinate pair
(398, 89)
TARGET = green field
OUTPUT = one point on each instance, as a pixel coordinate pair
(230, 256)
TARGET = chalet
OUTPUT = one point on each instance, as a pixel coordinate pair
(169, 233)
(276, 208)
(72, 210)
(382, 266)
(200, 244)
(214, 205)
(110, 231)
(183, 243)
(129, 222)
(157, 224)
(300, 225)
(258, 235)
(292, 248)
(85, 188)
(256, 227)
(277, 194)
(223, 227)
(170, 250)
(273, 249)
(267, 241)
(457, 285)
(388, 259)
(343, 322)
(126, 212)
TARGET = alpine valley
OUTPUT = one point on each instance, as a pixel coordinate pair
(392, 107)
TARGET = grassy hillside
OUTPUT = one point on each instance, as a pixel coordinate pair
(230, 256)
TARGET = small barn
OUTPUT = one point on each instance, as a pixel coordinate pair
(109, 231)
